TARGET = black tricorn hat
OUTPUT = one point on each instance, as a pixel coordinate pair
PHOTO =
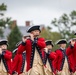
(61, 41)
(73, 39)
(3, 42)
(32, 28)
(49, 42)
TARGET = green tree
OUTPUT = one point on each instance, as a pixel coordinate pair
(3, 7)
(14, 37)
(65, 24)
(3, 20)
(49, 35)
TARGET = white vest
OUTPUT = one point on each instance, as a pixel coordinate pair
(2, 67)
(48, 66)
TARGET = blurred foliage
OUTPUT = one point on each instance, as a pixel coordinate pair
(48, 35)
(14, 37)
(66, 24)
(4, 21)
(3, 7)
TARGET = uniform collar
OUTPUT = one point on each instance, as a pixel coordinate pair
(62, 48)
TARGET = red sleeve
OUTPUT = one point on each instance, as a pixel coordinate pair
(56, 61)
(15, 62)
(68, 51)
(52, 55)
(75, 46)
(7, 55)
(21, 48)
(41, 43)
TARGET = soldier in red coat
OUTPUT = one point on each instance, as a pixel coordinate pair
(48, 58)
(62, 60)
(71, 50)
(18, 65)
(33, 47)
(5, 59)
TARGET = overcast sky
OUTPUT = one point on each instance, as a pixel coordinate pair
(38, 11)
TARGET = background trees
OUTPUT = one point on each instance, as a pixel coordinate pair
(66, 24)
(4, 21)
(14, 37)
(49, 35)
(15, 34)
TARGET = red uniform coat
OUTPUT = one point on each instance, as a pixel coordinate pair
(71, 52)
(60, 59)
(7, 60)
(19, 63)
(30, 49)
(51, 56)
(71, 63)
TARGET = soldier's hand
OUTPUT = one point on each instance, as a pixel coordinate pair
(24, 39)
(32, 37)
(46, 50)
(72, 42)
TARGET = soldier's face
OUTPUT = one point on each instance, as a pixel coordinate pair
(63, 45)
(4, 46)
(74, 40)
(36, 33)
(49, 47)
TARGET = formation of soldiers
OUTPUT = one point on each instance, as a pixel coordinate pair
(34, 56)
